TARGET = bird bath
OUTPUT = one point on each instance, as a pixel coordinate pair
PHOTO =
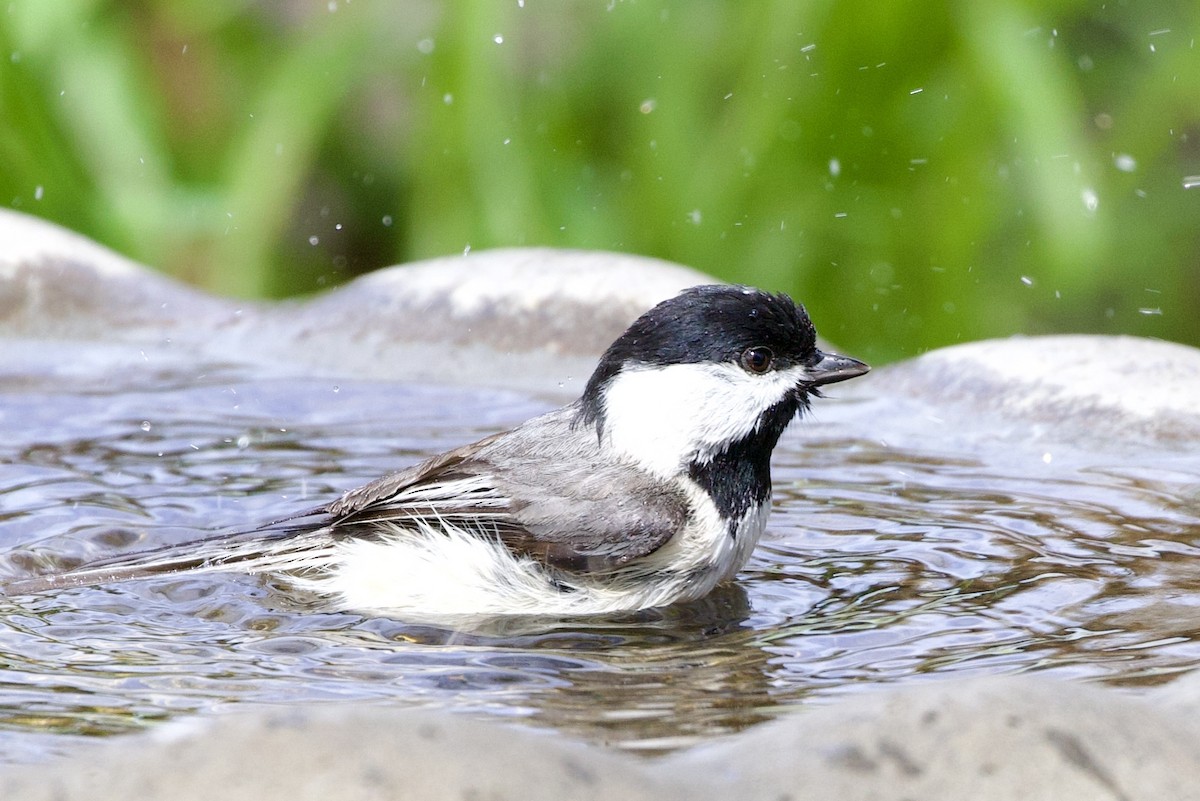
(922, 529)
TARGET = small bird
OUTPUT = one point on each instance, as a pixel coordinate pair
(651, 488)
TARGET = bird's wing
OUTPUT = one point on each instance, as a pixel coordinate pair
(588, 517)
(572, 504)
(545, 490)
(595, 522)
(577, 512)
(409, 485)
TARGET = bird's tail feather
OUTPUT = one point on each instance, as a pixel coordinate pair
(296, 547)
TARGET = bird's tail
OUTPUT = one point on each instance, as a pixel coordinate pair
(296, 547)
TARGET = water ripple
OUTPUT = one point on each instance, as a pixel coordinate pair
(881, 565)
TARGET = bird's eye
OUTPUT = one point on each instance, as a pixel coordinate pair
(757, 359)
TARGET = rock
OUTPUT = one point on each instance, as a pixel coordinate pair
(57, 284)
(559, 301)
(492, 317)
(1018, 738)
(344, 753)
(500, 317)
(997, 738)
(1100, 389)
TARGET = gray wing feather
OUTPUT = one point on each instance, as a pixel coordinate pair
(605, 529)
(545, 489)
(388, 490)
(572, 504)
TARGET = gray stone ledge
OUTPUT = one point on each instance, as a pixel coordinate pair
(1095, 389)
(997, 738)
(494, 317)
(537, 318)
(500, 318)
(1018, 738)
(57, 284)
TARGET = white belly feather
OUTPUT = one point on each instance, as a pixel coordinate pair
(435, 571)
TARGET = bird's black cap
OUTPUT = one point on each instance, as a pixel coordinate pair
(714, 323)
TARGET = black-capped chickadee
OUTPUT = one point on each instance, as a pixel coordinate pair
(652, 488)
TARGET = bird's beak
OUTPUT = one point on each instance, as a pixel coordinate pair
(831, 368)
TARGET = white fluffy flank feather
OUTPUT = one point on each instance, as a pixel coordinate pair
(434, 571)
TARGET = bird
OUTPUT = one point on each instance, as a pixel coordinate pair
(652, 488)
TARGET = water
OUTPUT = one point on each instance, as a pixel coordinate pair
(883, 563)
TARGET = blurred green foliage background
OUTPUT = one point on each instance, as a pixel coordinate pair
(919, 173)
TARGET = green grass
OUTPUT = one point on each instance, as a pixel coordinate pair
(919, 174)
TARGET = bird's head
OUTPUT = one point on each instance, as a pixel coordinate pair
(712, 368)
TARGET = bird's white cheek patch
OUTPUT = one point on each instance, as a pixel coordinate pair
(663, 417)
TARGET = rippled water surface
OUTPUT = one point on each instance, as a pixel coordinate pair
(888, 559)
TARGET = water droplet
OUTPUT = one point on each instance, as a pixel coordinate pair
(1125, 162)
(694, 216)
(835, 167)
(1191, 182)
(314, 240)
(1151, 311)
(447, 98)
(425, 47)
(336, 389)
(648, 105)
(498, 38)
(146, 425)
(337, 226)
(1047, 457)
(387, 221)
(1091, 201)
(38, 192)
(243, 441)
(1026, 280)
